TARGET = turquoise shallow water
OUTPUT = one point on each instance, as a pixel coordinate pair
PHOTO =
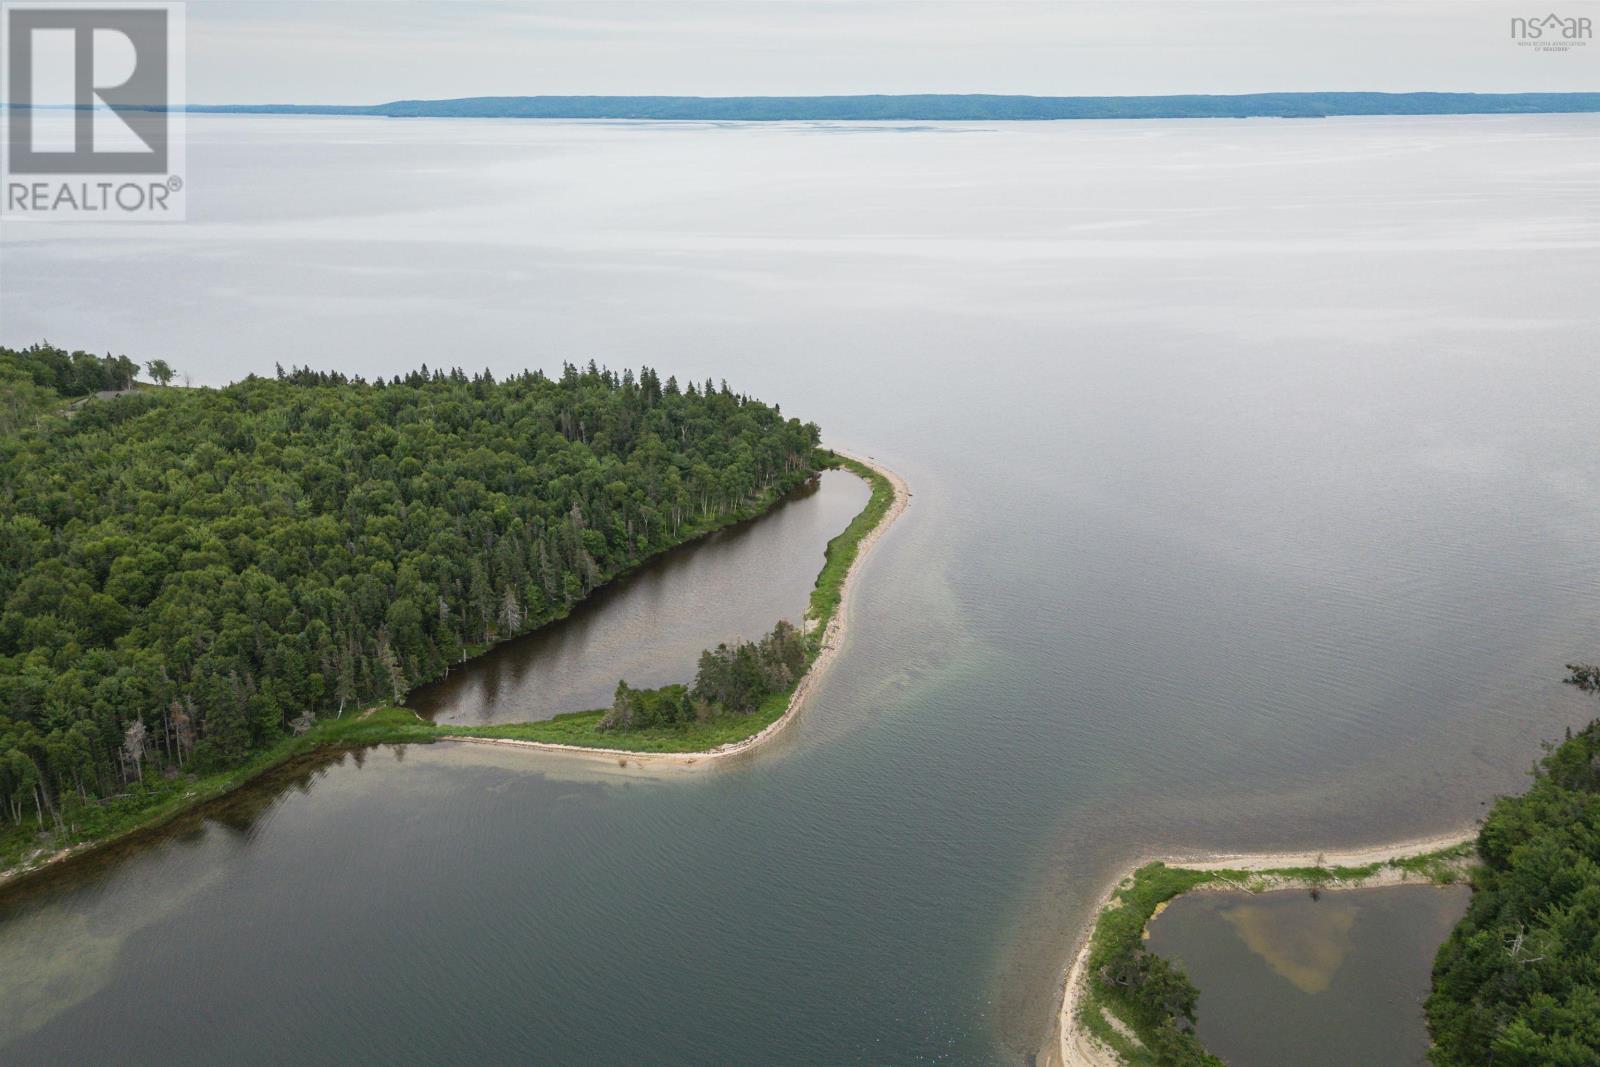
(1255, 482)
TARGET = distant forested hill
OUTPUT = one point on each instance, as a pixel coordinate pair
(185, 572)
(975, 107)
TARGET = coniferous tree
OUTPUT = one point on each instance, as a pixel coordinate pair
(213, 564)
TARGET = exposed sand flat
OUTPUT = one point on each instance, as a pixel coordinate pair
(832, 638)
(1356, 857)
(1073, 1046)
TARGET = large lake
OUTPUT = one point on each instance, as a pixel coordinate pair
(1257, 485)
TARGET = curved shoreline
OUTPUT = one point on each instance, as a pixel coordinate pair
(828, 650)
(1072, 1045)
(266, 762)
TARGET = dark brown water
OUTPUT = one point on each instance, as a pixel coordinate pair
(1285, 979)
(1257, 482)
(650, 626)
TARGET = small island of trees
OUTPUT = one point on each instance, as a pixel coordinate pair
(730, 680)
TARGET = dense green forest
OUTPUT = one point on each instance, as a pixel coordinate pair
(34, 381)
(730, 680)
(189, 575)
(1517, 984)
(738, 690)
(55, 372)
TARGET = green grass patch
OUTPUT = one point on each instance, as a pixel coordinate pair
(842, 550)
(1118, 936)
(157, 800)
(581, 728)
(1444, 867)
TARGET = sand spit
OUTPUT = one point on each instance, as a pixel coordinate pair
(616, 758)
(1072, 1045)
(832, 640)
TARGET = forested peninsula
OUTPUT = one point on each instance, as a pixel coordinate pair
(198, 583)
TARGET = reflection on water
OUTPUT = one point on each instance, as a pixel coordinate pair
(62, 935)
(1255, 509)
(650, 626)
(60, 939)
(1287, 979)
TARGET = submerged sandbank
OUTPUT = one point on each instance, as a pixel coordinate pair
(1075, 1045)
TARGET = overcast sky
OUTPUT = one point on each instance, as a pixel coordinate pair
(333, 51)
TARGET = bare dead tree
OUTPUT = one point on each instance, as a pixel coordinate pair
(133, 747)
(1515, 947)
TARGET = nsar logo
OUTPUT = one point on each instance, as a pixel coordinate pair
(1552, 33)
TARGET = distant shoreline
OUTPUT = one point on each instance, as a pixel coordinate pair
(941, 107)
(1072, 1044)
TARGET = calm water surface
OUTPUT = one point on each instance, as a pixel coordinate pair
(1257, 480)
(650, 627)
(1316, 983)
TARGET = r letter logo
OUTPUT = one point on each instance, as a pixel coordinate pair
(94, 92)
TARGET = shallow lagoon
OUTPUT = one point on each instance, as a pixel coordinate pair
(1327, 982)
(650, 626)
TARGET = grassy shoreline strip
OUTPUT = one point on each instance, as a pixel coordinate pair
(1134, 1033)
(580, 729)
(151, 805)
(840, 555)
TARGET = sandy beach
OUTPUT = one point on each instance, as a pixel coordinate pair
(832, 641)
(1073, 1046)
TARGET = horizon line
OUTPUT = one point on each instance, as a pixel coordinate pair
(915, 107)
(920, 95)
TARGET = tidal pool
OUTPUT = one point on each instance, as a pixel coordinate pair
(1327, 982)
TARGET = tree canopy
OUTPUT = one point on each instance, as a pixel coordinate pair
(34, 381)
(66, 373)
(1517, 983)
(184, 573)
(730, 680)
